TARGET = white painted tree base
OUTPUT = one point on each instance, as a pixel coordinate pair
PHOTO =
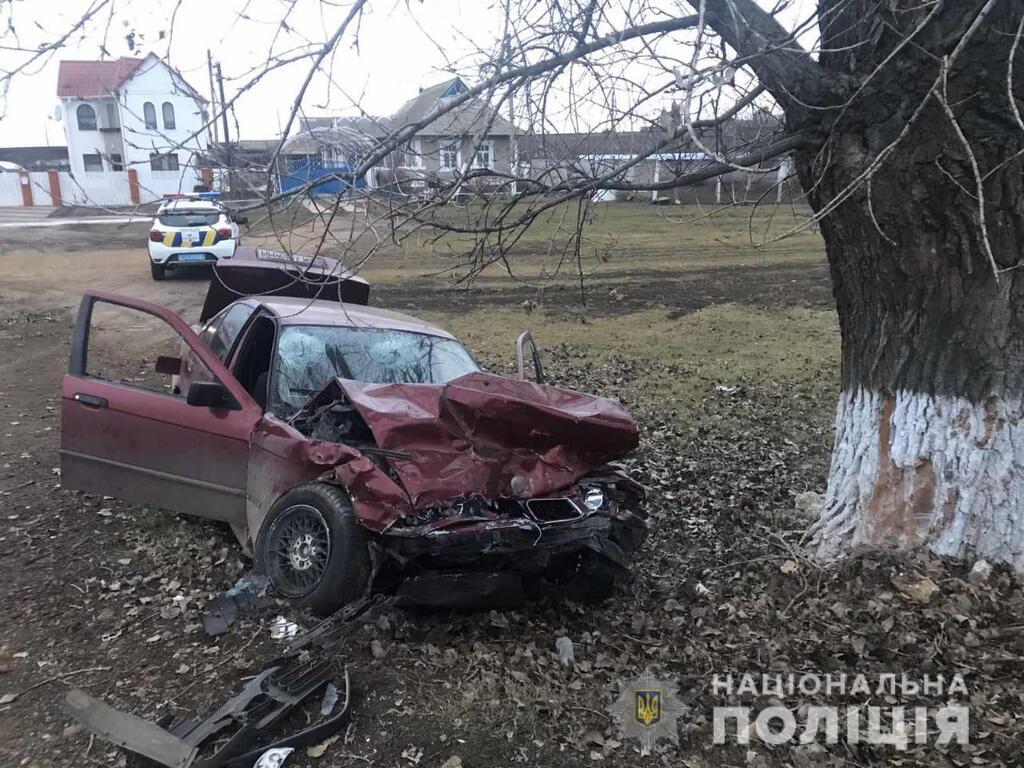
(918, 470)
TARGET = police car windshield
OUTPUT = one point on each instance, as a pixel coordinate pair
(189, 218)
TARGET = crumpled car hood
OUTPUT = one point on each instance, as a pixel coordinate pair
(490, 436)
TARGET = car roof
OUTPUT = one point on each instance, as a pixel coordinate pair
(298, 311)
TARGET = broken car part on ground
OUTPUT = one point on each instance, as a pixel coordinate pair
(238, 732)
(351, 448)
(241, 730)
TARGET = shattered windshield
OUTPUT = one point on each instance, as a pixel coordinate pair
(308, 356)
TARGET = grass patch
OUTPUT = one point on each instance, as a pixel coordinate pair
(618, 237)
(674, 361)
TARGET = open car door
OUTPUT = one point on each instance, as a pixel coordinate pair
(125, 433)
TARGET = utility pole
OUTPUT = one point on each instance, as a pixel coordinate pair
(223, 103)
(213, 95)
(227, 136)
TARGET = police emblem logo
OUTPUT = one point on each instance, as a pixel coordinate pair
(646, 710)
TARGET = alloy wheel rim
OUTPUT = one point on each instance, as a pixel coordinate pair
(299, 549)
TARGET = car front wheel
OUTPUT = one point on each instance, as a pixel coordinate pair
(313, 549)
(157, 270)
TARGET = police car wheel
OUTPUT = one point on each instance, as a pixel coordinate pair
(157, 270)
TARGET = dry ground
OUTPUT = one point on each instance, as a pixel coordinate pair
(727, 355)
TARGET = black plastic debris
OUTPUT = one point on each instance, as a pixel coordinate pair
(339, 623)
(239, 731)
(248, 597)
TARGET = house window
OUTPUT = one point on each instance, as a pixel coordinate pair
(485, 155)
(414, 154)
(92, 162)
(450, 155)
(149, 114)
(116, 163)
(158, 162)
(168, 110)
(86, 118)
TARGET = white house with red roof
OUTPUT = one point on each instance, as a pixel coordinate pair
(132, 113)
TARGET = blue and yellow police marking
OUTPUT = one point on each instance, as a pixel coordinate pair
(209, 237)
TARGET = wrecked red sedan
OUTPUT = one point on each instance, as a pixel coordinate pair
(353, 449)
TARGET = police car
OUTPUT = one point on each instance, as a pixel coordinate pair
(191, 230)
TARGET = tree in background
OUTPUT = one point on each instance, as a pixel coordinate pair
(904, 122)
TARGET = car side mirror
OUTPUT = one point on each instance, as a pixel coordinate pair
(210, 394)
(527, 354)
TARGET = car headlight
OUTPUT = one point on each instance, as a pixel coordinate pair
(593, 499)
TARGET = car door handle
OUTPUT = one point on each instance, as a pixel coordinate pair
(91, 400)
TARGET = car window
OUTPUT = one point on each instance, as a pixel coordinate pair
(189, 218)
(124, 344)
(226, 331)
(207, 331)
(309, 356)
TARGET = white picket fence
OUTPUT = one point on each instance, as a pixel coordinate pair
(107, 188)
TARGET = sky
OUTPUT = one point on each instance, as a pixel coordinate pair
(402, 46)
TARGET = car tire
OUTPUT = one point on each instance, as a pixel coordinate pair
(313, 549)
(157, 270)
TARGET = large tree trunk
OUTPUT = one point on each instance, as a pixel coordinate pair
(929, 448)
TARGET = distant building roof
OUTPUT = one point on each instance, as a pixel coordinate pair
(653, 142)
(37, 158)
(561, 146)
(77, 79)
(243, 153)
(353, 138)
(246, 145)
(475, 116)
(309, 123)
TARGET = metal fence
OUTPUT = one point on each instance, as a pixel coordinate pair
(107, 188)
(10, 189)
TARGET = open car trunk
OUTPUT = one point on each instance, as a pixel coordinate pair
(253, 271)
